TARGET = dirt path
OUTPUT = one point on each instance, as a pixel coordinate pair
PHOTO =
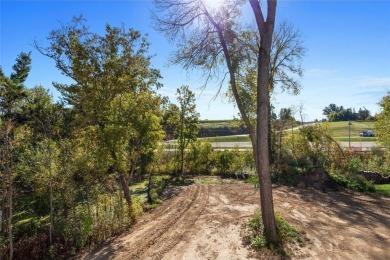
(204, 222)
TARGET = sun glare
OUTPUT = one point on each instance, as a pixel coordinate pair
(213, 4)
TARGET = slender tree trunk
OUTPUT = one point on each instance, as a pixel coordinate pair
(51, 194)
(4, 196)
(3, 211)
(266, 29)
(150, 184)
(65, 212)
(271, 156)
(120, 205)
(8, 170)
(182, 160)
(124, 183)
(10, 234)
(263, 166)
(182, 143)
(126, 192)
(134, 162)
(260, 141)
(88, 201)
(4, 188)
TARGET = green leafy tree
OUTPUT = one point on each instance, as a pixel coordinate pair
(112, 92)
(285, 67)
(331, 109)
(44, 119)
(170, 120)
(215, 41)
(12, 94)
(335, 113)
(363, 114)
(285, 117)
(187, 124)
(382, 124)
(201, 157)
(287, 52)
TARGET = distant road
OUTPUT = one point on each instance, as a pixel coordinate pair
(242, 146)
(247, 145)
(231, 144)
(362, 145)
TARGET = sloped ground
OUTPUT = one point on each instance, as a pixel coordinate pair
(205, 222)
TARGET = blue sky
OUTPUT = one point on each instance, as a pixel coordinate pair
(347, 60)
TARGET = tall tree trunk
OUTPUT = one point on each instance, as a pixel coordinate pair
(266, 29)
(10, 234)
(150, 184)
(51, 193)
(8, 169)
(3, 211)
(182, 160)
(4, 199)
(126, 192)
(135, 160)
(124, 183)
(182, 143)
(271, 156)
(260, 140)
(263, 166)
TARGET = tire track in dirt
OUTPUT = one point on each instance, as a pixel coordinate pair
(159, 233)
(205, 221)
(180, 230)
(170, 216)
(217, 232)
(340, 225)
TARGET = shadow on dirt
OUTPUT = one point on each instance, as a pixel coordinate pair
(352, 208)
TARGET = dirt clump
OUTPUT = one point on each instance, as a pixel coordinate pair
(318, 179)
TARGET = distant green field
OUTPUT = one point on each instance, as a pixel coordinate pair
(339, 131)
(219, 123)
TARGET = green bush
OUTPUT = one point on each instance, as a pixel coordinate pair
(256, 229)
(254, 178)
(200, 157)
(352, 181)
(383, 189)
(92, 224)
(226, 162)
(235, 162)
(158, 185)
(313, 146)
(287, 233)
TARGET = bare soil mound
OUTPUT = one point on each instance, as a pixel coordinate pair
(205, 222)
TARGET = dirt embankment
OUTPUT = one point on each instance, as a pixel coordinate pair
(205, 222)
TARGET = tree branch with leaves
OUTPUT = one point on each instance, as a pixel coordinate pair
(211, 40)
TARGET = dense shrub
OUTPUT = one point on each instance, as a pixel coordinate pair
(352, 181)
(287, 233)
(200, 157)
(312, 147)
(86, 224)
